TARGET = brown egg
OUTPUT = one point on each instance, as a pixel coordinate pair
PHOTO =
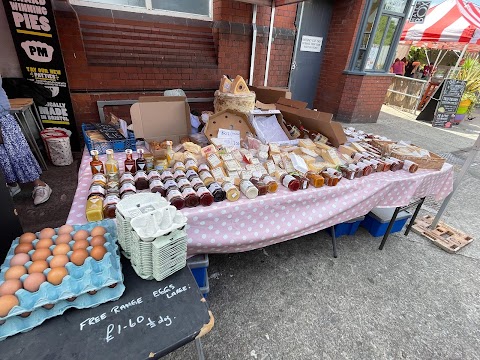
(27, 238)
(41, 254)
(78, 256)
(80, 235)
(61, 249)
(98, 240)
(7, 302)
(56, 275)
(23, 248)
(9, 287)
(19, 259)
(80, 244)
(63, 239)
(59, 261)
(46, 233)
(44, 243)
(98, 230)
(33, 281)
(38, 266)
(15, 272)
(98, 252)
(65, 229)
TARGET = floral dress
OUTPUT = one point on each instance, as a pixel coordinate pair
(16, 159)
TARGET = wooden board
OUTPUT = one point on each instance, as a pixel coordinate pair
(444, 236)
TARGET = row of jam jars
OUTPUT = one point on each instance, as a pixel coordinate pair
(205, 198)
(289, 181)
(316, 180)
(154, 183)
(127, 185)
(188, 193)
(332, 176)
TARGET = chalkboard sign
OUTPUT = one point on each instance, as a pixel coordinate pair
(150, 320)
(448, 103)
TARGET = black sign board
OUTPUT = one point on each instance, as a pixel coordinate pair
(448, 102)
(151, 319)
(419, 12)
(34, 34)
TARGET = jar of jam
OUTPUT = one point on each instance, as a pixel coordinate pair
(217, 192)
(195, 182)
(206, 177)
(304, 183)
(191, 174)
(203, 167)
(127, 188)
(113, 187)
(400, 162)
(179, 166)
(191, 164)
(179, 174)
(271, 183)
(152, 175)
(204, 196)
(156, 185)
(347, 173)
(331, 176)
(141, 181)
(190, 196)
(109, 206)
(170, 184)
(166, 175)
(260, 185)
(316, 180)
(290, 182)
(96, 190)
(183, 183)
(248, 189)
(99, 179)
(176, 199)
(410, 166)
(149, 159)
(127, 178)
(394, 166)
(366, 169)
(231, 191)
(379, 165)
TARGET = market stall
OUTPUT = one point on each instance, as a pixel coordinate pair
(246, 224)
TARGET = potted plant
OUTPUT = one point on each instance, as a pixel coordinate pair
(469, 72)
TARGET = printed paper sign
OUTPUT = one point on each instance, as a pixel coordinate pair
(229, 138)
(311, 43)
(419, 12)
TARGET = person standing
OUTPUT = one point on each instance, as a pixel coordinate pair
(398, 67)
(16, 159)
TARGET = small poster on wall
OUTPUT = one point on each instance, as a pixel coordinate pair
(419, 12)
(311, 43)
(35, 37)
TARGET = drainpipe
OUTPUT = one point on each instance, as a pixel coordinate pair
(254, 44)
(269, 48)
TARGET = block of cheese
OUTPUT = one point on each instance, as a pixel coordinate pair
(246, 175)
(357, 147)
(178, 156)
(298, 163)
(262, 155)
(277, 159)
(191, 147)
(231, 165)
(239, 86)
(225, 84)
(226, 156)
(237, 155)
(306, 143)
(218, 173)
(331, 156)
(259, 168)
(347, 150)
(214, 161)
(270, 166)
(250, 167)
(322, 146)
(308, 159)
(274, 149)
(317, 167)
(263, 148)
(207, 150)
(308, 152)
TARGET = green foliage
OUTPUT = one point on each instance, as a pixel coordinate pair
(470, 72)
(417, 53)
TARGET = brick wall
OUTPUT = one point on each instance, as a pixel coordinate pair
(96, 72)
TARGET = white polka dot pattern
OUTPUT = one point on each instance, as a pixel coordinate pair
(250, 224)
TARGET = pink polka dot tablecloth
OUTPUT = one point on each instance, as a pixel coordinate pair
(244, 225)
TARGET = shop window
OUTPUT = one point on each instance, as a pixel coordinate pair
(198, 9)
(378, 35)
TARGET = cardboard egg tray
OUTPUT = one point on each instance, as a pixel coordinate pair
(89, 285)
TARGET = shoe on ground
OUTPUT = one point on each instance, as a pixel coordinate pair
(41, 194)
(14, 190)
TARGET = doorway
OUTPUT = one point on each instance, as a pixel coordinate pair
(312, 23)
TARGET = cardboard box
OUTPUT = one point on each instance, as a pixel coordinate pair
(277, 114)
(270, 95)
(296, 113)
(230, 120)
(159, 118)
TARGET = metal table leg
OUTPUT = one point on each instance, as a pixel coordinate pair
(412, 220)
(31, 139)
(35, 120)
(390, 225)
(334, 242)
(198, 345)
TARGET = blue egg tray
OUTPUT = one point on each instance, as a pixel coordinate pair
(86, 286)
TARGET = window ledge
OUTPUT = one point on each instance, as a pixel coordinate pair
(365, 73)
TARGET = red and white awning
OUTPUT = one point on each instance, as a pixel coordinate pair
(453, 22)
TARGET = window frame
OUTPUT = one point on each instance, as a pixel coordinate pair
(403, 17)
(145, 10)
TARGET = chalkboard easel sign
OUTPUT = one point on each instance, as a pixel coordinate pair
(448, 102)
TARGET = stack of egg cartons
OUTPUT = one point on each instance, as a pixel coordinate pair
(157, 240)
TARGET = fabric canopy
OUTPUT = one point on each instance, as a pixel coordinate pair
(449, 25)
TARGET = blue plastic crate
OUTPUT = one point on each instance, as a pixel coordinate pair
(199, 266)
(349, 227)
(377, 220)
(102, 146)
